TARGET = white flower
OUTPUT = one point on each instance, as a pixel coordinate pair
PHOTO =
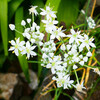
(87, 43)
(12, 26)
(23, 23)
(75, 67)
(68, 47)
(29, 50)
(96, 70)
(49, 47)
(48, 12)
(37, 38)
(81, 63)
(79, 87)
(57, 33)
(89, 54)
(85, 59)
(34, 25)
(33, 10)
(81, 56)
(91, 22)
(63, 81)
(75, 36)
(16, 46)
(63, 47)
(44, 56)
(27, 35)
(83, 11)
(28, 20)
(54, 64)
(50, 25)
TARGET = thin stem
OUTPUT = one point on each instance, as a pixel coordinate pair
(33, 17)
(76, 76)
(40, 48)
(86, 13)
(18, 32)
(35, 62)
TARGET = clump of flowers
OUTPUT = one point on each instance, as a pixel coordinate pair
(75, 49)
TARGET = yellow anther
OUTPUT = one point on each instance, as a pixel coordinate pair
(61, 26)
(78, 28)
(52, 57)
(9, 41)
(57, 27)
(88, 33)
(13, 52)
(15, 38)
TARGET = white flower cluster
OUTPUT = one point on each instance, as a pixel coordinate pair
(75, 52)
(90, 21)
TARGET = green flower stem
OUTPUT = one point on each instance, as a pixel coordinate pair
(57, 93)
(35, 62)
(76, 76)
(92, 66)
(48, 36)
(33, 17)
(18, 32)
(40, 49)
(86, 13)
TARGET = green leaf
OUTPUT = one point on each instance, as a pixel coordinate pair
(22, 59)
(13, 5)
(4, 24)
(9, 0)
(68, 11)
(38, 3)
(53, 3)
(2, 60)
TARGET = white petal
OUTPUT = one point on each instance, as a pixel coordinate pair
(33, 53)
(72, 31)
(75, 67)
(16, 52)
(22, 43)
(17, 41)
(13, 42)
(68, 47)
(63, 47)
(71, 40)
(85, 59)
(12, 26)
(81, 63)
(11, 48)
(28, 20)
(28, 44)
(33, 47)
(93, 45)
(28, 55)
(89, 54)
(23, 23)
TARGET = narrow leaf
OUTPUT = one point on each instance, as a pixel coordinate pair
(68, 11)
(13, 5)
(4, 24)
(22, 59)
